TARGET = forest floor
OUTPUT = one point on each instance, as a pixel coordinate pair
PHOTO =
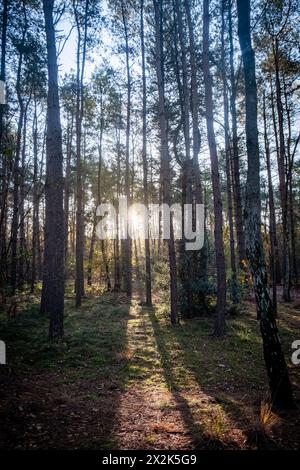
(123, 378)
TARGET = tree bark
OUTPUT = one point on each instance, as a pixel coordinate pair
(227, 161)
(79, 281)
(280, 386)
(98, 200)
(235, 151)
(283, 187)
(127, 241)
(3, 167)
(187, 164)
(148, 283)
(16, 169)
(53, 281)
(165, 157)
(67, 185)
(35, 204)
(220, 328)
(23, 265)
(273, 237)
(200, 260)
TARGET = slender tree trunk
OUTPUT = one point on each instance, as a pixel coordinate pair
(145, 163)
(165, 157)
(3, 162)
(282, 179)
(35, 202)
(3, 65)
(187, 166)
(227, 158)
(289, 187)
(293, 235)
(273, 237)
(91, 253)
(22, 255)
(200, 261)
(53, 285)
(280, 386)
(235, 151)
(220, 328)
(98, 201)
(117, 280)
(81, 57)
(67, 187)
(278, 269)
(106, 265)
(16, 178)
(127, 241)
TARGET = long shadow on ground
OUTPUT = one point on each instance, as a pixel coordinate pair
(229, 373)
(64, 396)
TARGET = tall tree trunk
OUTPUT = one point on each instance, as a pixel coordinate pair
(67, 186)
(117, 273)
(165, 157)
(35, 202)
(278, 268)
(3, 162)
(81, 57)
(98, 200)
(227, 159)
(23, 255)
(3, 64)
(145, 163)
(16, 174)
(289, 186)
(280, 386)
(293, 235)
(200, 261)
(91, 252)
(220, 328)
(235, 151)
(53, 282)
(127, 241)
(187, 166)
(283, 187)
(273, 237)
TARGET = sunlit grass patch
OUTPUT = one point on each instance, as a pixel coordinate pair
(112, 345)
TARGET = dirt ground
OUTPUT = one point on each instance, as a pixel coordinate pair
(123, 378)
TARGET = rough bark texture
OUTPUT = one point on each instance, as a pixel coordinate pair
(273, 237)
(281, 392)
(3, 170)
(235, 154)
(187, 164)
(98, 199)
(283, 187)
(81, 57)
(127, 241)
(220, 328)
(22, 265)
(165, 157)
(53, 279)
(16, 169)
(117, 276)
(227, 160)
(36, 249)
(3, 63)
(200, 259)
(145, 163)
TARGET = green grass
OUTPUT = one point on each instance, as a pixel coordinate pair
(97, 334)
(125, 345)
(94, 335)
